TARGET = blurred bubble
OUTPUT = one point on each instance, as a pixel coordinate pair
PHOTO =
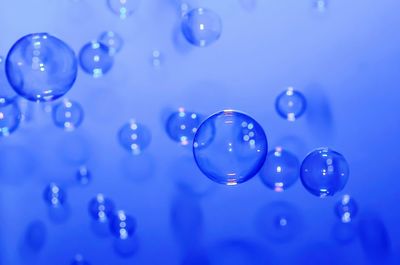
(230, 147)
(182, 126)
(41, 67)
(279, 222)
(122, 225)
(101, 208)
(123, 8)
(83, 175)
(280, 170)
(112, 40)
(324, 172)
(10, 117)
(35, 236)
(291, 104)
(7, 93)
(346, 209)
(95, 59)
(68, 115)
(344, 233)
(374, 238)
(320, 5)
(79, 260)
(156, 59)
(134, 137)
(27, 109)
(201, 27)
(54, 195)
(126, 247)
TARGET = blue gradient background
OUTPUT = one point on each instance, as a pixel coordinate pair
(346, 61)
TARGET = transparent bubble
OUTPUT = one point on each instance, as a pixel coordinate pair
(10, 117)
(35, 236)
(156, 58)
(122, 225)
(83, 175)
(95, 59)
(41, 67)
(346, 209)
(123, 8)
(230, 147)
(182, 126)
(54, 195)
(291, 104)
(134, 137)
(101, 208)
(324, 172)
(280, 170)
(7, 93)
(79, 260)
(68, 115)
(112, 40)
(201, 27)
(320, 5)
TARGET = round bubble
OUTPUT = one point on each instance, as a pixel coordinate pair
(112, 40)
(41, 67)
(182, 126)
(83, 176)
(122, 225)
(291, 104)
(134, 137)
(79, 260)
(10, 117)
(280, 170)
(101, 208)
(68, 115)
(324, 172)
(7, 93)
(95, 59)
(230, 147)
(54, 195)
(201, 27)
(123, 8)
(346, 209)
(35, 236)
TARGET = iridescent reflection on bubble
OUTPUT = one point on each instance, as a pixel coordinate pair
(95, 59)
(134, 137)
(41, 67)
(230, 147)
(68, 115)
(290, 104)
(182, 126)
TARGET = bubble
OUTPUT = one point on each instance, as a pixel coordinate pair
(101, 208)
(35, 236)
(68, 115)
(95, 59)
(201, 27)
(230, 147)
(291, 104)
(112, 40)
(346, 209)
(10, 117)
(54, 195)
(280, 170)
(156, 58)
(123, 8)
(134, 137)
(79, 260)
(320, 5)
(83, 175)
(7, 93)
(122, 225)
(41, 67)
(182, 126)
(324, 172)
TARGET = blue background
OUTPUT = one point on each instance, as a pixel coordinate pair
(346, 61)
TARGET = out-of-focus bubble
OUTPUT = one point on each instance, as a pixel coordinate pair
(79, 260)
(68, 115)
(41, 67)
(122, 225)
(324, 172)
(280, 170)
(123, 8)
(27, 109)
(291, 104)
(10, 117)
(201, 27)
(126, 247)
(54, 195)
(182, 126)
(279, 222)
(83, 175)
(156, 59)
(320, 5)
(134, 137)
(101, 208)
(344, 233)
(35, 236)
(7, 93)
(346, 209)
(95, 59)
(230, 147)
(112, 40)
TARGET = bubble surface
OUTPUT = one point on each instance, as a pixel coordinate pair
(101, 208)
(10, 118)
(95, 59)
(123, 8)
(134, 137)
(182, 126)
(112, 40)
(291, 104)
(68, 115)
